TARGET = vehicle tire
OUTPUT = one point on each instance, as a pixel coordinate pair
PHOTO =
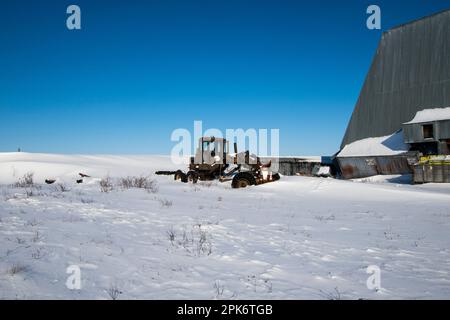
(243, 180)
(192, 176)
(177, 175)
(180, 175)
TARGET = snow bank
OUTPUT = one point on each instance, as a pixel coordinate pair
(396, 179)
(428, 115)
(379, 146)
(66, 167)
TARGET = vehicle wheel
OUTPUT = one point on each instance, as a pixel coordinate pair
(180, 175)
(243, 180)
(192, 176)
(177, 175)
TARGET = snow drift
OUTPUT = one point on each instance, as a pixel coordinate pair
(65, 168)
(379, 146)
(428, 115)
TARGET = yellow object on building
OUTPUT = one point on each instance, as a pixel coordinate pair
(435, 160)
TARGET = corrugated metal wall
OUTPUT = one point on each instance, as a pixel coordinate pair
(444, 130)
(413, 132)
(410, 72)
(293, 166)
(432, 173)
(361, 167)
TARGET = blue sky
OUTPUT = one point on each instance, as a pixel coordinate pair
(140, 69)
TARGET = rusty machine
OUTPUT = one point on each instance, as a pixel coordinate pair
(213, 160)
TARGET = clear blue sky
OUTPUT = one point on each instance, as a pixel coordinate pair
(139, 69)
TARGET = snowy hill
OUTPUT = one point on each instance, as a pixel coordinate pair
(299, 238)
(65, 168)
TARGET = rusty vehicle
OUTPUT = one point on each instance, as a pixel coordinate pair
(213, 161)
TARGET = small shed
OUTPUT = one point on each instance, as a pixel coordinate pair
(291, 166)
(429, 131)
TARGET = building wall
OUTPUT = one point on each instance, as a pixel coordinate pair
(413, 133)
(293, 166)
(410, 72)
(361, 167)
(432, 173)
(444, 129)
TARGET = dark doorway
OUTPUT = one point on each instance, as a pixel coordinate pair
(428, 132)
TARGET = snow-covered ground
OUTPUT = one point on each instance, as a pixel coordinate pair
(299, 238)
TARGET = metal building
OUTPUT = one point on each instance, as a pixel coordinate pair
(410, 72)
(428, 137)
(291, 166)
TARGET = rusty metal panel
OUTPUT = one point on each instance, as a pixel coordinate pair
(355, 167)
(361, 167)
(393, 165)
